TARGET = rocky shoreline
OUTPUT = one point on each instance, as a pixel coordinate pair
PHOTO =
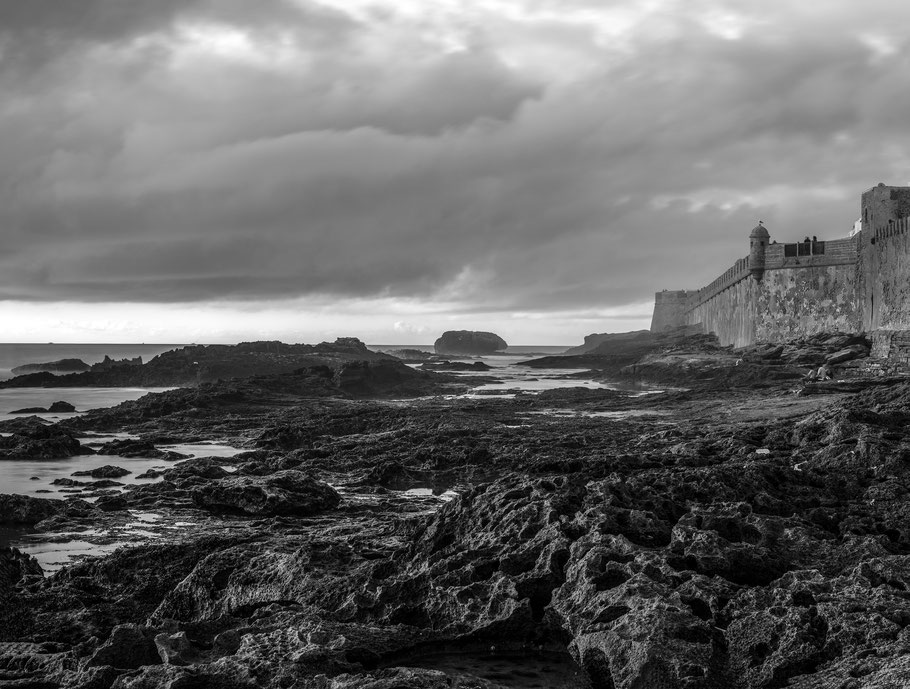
(378, 531)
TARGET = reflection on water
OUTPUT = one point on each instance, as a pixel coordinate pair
(55, 550)
(584, 414)
(54, 556)
(514, 378)
(445, 495)
(36, 476)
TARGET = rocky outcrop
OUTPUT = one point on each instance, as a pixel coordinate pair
(55, 408)
(138, 448)
(37, 441)
(455, 366)
(106, 471)
(57, 367)
(283, 493)
(197, 364)
(23, 509)
(14, 566)
(612, 342)
(469, 342)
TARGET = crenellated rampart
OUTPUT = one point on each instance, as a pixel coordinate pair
(738, 271)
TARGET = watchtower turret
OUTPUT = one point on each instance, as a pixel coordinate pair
(758, 241)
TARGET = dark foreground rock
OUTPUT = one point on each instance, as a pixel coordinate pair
(469, 342)
(23, 509)
(282, 493)
(14, 566)
(703, 539)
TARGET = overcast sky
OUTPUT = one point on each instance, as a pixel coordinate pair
(218, 170)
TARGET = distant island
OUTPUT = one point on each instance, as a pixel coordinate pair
(61, 366)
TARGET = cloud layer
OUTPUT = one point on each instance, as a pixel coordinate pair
(494, 154)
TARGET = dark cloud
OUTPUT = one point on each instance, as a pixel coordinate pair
(215, 151)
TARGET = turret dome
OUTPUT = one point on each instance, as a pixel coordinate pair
(759, 232)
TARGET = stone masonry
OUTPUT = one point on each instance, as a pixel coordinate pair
(783, 291)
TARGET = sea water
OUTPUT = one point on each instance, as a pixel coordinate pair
(83, 399)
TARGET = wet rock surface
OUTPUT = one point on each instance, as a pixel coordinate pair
(714, 537)
(36, 440)
(288, 492)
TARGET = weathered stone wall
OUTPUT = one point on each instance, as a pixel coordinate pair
(793, 302)
(669, 310)
(788, 303)
(861, 283)
(890, 282)
(729, 313)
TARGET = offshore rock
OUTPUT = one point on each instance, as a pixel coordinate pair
(138, 448)
(41, 442)
(469, 342)
(287, 492)
(197, 364)
(455, 366)
(55, 408)
(107, 471)
(60, 366)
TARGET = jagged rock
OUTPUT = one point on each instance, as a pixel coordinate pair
(411, 355)
(15, 565)
(41, 442)
(128, 647)
(283, 493)
(175, 649)
(469, 342)
(106, 471)
(112, 503)
(138, 448)
(23, 509)
(199, 468)
(852, 352)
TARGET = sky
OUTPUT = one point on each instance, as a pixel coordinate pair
(227, 170)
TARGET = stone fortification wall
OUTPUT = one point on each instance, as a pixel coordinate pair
(804, 289)
(728, 312)
(785, 291)
(794, 302)
(889, 279)
(669, 310)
